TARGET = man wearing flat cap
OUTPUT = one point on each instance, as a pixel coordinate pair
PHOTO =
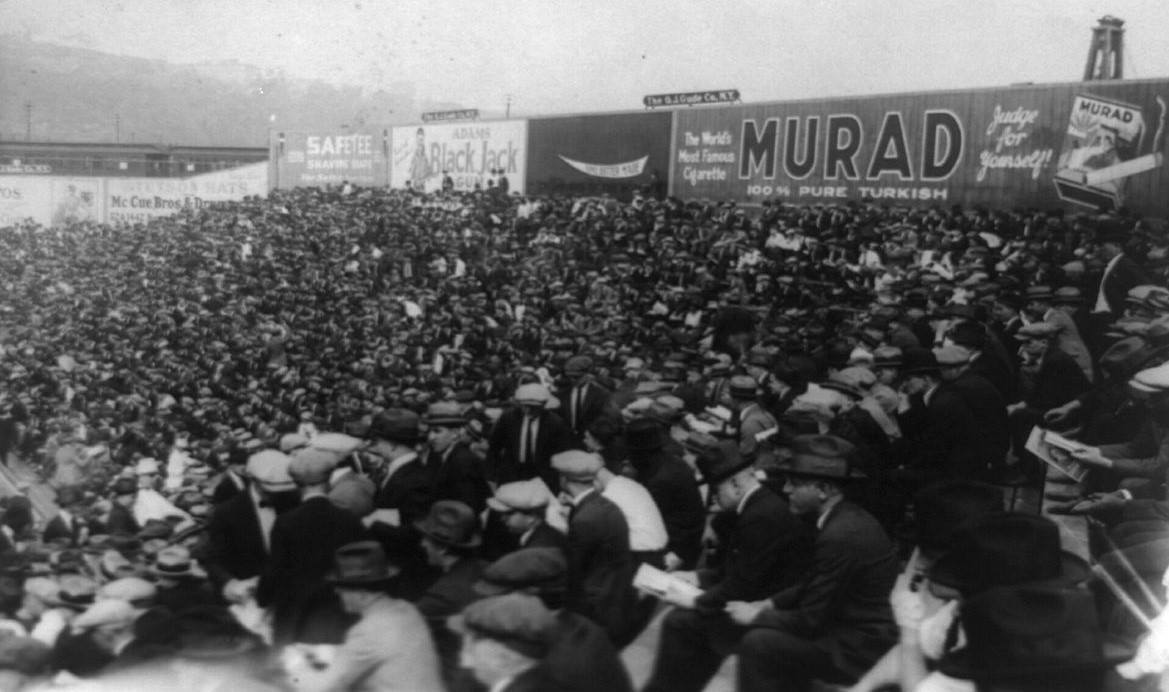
(761, 545)
(505, 640)
(600, 563)
(455, 472)
(304, 541)
(581, 657)
(1065, 335)
(239, 532)
(749, 418)
(522, 507)
(525, 438)
(837, 622)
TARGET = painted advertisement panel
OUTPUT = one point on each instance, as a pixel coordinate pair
(25, 197)
(1092, 145)
(470, 153)
(137, 200)
(320, 158)
(594, 154)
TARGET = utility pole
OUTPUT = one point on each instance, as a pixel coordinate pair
(508, 115)
(28, 121)
(117, 128)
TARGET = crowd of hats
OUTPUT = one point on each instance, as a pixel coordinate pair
(229, 333)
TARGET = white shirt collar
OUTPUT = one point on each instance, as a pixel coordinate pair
(580, 498)
(826, 510)
(746, 496)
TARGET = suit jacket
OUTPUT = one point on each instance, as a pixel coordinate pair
(600, 565)
(122, 521)
(387, 650)
(596, 403)
(56, 529)
(674, 490)
(458, 475)
(989, 409)
(304, 540)
(582, 659)
(842, 604)
(1069, 341)
(762, 549)
(227, 488)
(235, 543)
(544, 536)
(1001, 373)
(409, 491)
(1125, 275)
(941, 438)
(1058, 381)
(503, 452)
(753, 419)
(451, 592)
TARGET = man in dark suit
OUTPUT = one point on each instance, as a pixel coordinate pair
(67, 526)
(240, 528)
(986, 359)
(1120, 275)
(450, 538)
(1050, 379)
(521, 507)
(582, 398)
(525, 438)
(763, 546)
(671, 484)
(304, 541)
(940, 438)
(235, 478)
(455, 472)
(986, 404)
(836, 622)
(600, 564)
(121, 519)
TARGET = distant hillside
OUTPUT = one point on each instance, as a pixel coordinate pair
(77, 93)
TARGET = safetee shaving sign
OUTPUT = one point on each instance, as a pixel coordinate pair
(470, 153)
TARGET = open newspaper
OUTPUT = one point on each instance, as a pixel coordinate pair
(654, 581)
(1056, 450)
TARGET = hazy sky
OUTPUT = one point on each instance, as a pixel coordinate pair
(569, 56)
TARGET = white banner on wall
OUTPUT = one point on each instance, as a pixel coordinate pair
(467, 152)
(136, 200)
(25, 197)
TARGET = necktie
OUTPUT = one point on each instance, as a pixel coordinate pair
(577, 402)
(529, 440)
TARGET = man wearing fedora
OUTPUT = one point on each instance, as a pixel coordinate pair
(762, 545)
(600, 563)
(455, 472)
(389, 647)
(836, 622)
(450, 539)
(525, 437)
(673, 487)
(303, 542)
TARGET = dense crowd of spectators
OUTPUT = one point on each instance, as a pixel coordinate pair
(369, 439)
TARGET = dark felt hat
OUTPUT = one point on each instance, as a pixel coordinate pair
(1003, 549)
(361, 564)
(939, 509)
(821, 456)
(396, 425)
(718, 459)
(644, 435)
(1032, 633)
